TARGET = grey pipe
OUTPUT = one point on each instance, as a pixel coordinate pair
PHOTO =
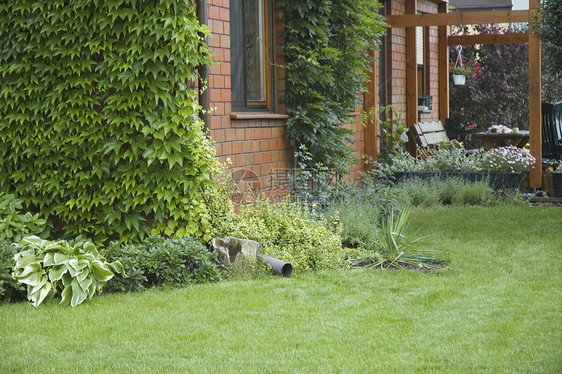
(279, 267)
(204, 70)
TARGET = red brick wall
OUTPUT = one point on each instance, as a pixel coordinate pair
(255, 144)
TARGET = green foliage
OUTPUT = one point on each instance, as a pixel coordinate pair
(76, 271)
(315, 186)
(327, 46)
(292, 233)
(550, 33)
(394, 248)
(161, 262)
(14, 225)
(99, 120)
(394, 130)
(359, 218)
(9, 288)
(442, 191)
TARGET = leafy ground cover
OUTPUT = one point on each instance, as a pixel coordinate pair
(496, 308)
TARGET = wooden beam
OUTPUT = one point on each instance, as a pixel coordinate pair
(489, 39)
(457, 18)
(411, 74)
(535, 115)
(443, 65)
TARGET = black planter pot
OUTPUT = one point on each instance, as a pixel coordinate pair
(505, 180)
(557, 181)
(497, 180)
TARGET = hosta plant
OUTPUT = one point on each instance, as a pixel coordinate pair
(76, 271)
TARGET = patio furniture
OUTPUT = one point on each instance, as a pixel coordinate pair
(429, 134)
(456, 129)
(499, 139)
(551, 131)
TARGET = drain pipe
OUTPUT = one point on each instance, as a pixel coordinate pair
(278, 266)
(204, 70)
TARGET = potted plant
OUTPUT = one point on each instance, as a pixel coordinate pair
(506, 165)
(461, 70)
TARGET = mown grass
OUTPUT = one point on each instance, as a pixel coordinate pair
(495, 309)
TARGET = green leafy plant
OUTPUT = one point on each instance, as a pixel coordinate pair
(14, 224)
(162, 262)
(76, 271)
(394, 248)
(100, 129)
(394, 131)
(327, 48)
(293, 233)
(359, 218)
(315, 185)
(9, 288)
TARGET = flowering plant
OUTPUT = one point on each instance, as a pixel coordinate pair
(509, 158)
(471, 69)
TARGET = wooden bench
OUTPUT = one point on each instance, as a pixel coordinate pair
(429, 134)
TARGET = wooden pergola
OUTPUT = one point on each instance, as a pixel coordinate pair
(442, 20)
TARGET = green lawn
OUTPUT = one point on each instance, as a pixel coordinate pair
(495, 309)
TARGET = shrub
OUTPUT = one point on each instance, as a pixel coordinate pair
(292, 233)
(162, 262)
(9, 289)
(359, 221)
(76, 271)
(100, 125)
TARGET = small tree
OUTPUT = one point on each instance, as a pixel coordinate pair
(500, 95)
(550, 32)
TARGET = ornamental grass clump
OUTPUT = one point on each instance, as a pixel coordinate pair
(507, 159)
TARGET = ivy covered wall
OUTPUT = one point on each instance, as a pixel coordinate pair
(99, 126)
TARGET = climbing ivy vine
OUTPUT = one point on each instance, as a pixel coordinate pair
(99, 126)
(327, 47)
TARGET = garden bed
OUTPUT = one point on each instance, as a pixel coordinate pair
(496, 180)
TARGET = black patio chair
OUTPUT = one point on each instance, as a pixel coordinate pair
(551, 132)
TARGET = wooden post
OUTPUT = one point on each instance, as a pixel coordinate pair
(443, 66)
(411, 75)
(535, 99)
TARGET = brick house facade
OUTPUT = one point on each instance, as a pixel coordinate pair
(254, 140)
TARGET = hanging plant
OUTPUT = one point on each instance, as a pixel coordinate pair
(462, 69)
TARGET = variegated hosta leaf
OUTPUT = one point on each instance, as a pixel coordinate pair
(101, 272)
(56, 273)
(49, 259)
(38, 297)
(61, 258)
(24, 258)
(78, 295)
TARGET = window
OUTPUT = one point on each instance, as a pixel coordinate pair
(251, 50)
(421, 40)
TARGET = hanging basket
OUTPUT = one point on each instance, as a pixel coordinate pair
(459, 80)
